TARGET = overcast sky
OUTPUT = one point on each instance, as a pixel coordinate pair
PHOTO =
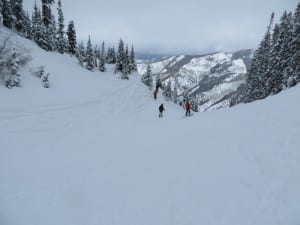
(173, 26)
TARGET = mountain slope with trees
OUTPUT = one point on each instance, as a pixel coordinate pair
(91, 150)
(54, 36)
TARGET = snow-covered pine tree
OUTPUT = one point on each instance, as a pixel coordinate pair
(276, 79)
(96, 53)
(275, 34)
(167, 90)
(80, 53)
(113, 55)
(294, 63)
(39, 32)
(44, 41)
(147, 77)
(45, 80)
(108, 53)
(72, 42)
(287, 50)
(265, 48)
(61, 43)
(132, 62)
(126, 69)
(89, 55)
(257, 74)
(8, 19)
(13, 79)
(51, 34)
(254, 84)
(19, 15)
(27, 27)
(102, 58)
(120, 57)
(274, 59)
(46, 12)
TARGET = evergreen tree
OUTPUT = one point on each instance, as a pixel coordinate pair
(273, 60)
(46, 12)
(167, 91)
(61, 41)
(8, 19)
(254, 83)
(96, 53)
(111, 56)
(294, 64)
(120, 57)
(27, 27)
(45, 80)
(258, 72)
(38, 29)
(287, 50)
(264, 58)
(89, 55)
(13, 80)
(275, 79)
(132, 63)
(275, 34)
(72, 43)
(51, 34)
(126, 61)
(80, 53)
(102, 58)
(19, 15)
(108, 53)
(147, 77)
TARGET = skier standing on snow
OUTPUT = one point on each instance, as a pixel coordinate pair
(161, 109)
(188, 108)
(155, 94)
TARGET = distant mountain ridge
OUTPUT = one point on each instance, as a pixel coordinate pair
(208, 80)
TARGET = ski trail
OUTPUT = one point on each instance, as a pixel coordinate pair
(131, 100)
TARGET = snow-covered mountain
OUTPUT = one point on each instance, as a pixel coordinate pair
(209, 80)
(149, 58)
(91, 150)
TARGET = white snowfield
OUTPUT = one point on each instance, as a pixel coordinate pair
(91, 150)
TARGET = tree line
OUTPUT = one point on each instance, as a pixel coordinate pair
(276, 62)
(51, 35)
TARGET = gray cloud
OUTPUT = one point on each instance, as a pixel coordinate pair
(174, 26)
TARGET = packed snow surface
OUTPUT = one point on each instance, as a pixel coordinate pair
(91, 150)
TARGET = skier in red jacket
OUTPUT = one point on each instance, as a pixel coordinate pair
(188, 108)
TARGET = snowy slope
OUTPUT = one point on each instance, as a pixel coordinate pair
(160, 66)
(92, 150)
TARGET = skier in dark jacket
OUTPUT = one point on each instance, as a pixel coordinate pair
(161, 109)
(155, 94)
(188, 108)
